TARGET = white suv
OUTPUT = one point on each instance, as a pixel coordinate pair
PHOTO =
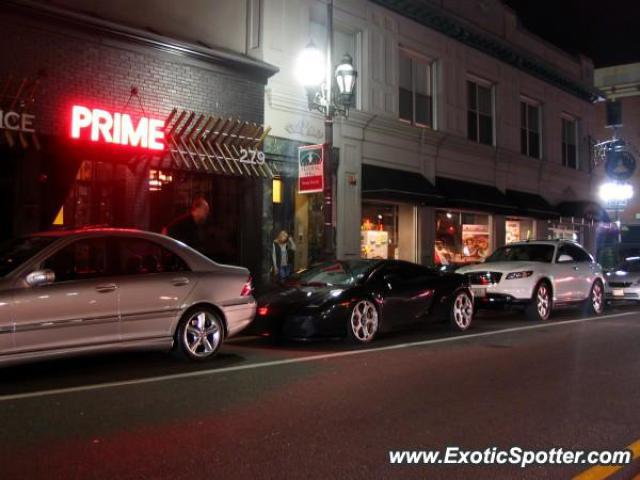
(539, 276)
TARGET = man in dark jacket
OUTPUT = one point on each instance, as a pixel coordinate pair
(187, 228)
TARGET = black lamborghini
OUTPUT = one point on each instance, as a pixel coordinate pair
(358, 299)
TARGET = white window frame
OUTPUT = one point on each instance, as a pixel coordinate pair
(532, 103)
(569, 118)
(431, 64)
(492, 87)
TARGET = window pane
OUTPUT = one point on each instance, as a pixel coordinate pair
(471, 96)
(523, 115)
(568, 131)
(81, 260)
(486, 130)
(533, 118)
(571, 153)
(523, 142)
(423, 77)
(406, 105)
(405, 72)
(534, 145)
(472, 126)
(484, 100)
(139, 256)
(564, 154)
(423, 109)
(571, 133)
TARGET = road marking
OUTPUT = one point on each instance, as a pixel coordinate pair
(600, 472)
(311, 358)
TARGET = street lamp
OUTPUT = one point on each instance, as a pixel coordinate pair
(316, 73)
(616, 195)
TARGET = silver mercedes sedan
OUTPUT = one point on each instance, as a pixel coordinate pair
(95, 290)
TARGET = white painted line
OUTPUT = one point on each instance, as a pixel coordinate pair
(311, 358)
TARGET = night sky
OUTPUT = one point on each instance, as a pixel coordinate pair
(608, 32)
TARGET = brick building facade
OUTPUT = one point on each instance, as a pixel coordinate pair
(65, 59)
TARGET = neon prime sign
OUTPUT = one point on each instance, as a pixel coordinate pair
(101, 126)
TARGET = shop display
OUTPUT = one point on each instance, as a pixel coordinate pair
(517, 230)
(475, 239)
(374, 244)
(461, 238)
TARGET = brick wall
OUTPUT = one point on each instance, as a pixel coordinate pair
(100, 71)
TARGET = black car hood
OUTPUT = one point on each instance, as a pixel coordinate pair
(300, 296)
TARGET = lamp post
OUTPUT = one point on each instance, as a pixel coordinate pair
(315, 72)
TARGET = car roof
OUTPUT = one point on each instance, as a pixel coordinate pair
(79, 231)
(543, 242)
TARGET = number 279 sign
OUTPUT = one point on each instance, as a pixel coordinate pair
(311, 169)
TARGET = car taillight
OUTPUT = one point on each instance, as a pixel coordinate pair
(247, 288)
(263, 311)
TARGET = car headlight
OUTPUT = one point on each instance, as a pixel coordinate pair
(518, 275)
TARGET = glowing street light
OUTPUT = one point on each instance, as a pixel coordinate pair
(615, 193)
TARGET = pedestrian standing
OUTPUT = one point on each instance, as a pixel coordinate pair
(283, 253)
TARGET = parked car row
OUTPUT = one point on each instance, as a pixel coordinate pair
(96, 290)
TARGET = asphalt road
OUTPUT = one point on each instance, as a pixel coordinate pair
(326, 410)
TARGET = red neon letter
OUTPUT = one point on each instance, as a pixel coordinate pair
(117, 128)
(101, 124)
(80, 118)
(134, 136)
(156, 134)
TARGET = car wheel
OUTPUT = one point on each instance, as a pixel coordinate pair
(363, 322)
(594, 304)
(462, 311)
(199, 334)
(540, 307)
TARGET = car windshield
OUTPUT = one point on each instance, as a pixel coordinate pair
(523, 253)
(15, 252)
(631, 265)
(342, 273)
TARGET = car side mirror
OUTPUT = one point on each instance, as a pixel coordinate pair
(39, 278)
(565, 258)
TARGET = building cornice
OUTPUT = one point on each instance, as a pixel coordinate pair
(97, 26)
(430, 16)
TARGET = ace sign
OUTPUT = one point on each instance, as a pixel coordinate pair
(311, 169)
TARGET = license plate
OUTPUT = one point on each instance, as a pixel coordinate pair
(479, 292)
(618, 292)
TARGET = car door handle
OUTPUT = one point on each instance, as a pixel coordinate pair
(180, 281)
(106, 288)
(576, 268)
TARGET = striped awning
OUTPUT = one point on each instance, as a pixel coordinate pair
(210, 144)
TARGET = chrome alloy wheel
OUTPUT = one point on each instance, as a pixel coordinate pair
(462, 310)
(597, 300)
(202, 334)
(543, 301)
(364, 321)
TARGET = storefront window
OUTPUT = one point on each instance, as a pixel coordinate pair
(379, 231)
(462, 237)
(519, 229)
(389, 231)
(96, 197)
